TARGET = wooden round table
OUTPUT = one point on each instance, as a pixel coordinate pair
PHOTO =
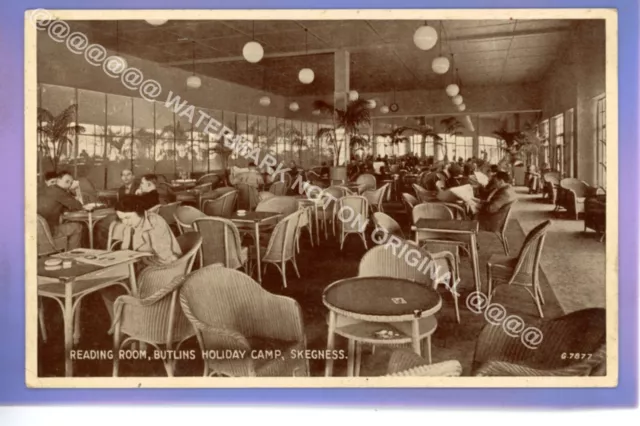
(361, 307)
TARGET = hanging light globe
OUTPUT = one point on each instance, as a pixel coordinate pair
(316, 112)
(306, 76)
(452, 90)
(353, 95)
(440, 65)
(457, 100)
(462, 107)
(425, 37)
(371, 104)
(156, 22)
(253, 52)
(293, 106)
(194, 81)
(384, 109)
(265, 101)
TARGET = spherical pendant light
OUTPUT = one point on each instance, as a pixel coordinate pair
(253, 52)
(293, 106)
(353, 95)
(306, 76)
(457, 100)
(384, 109)
(452, 90)
(194, 81)
(265, 101)
(425, 37)
(372, 104)
(316, 112)
(156, 22)
(440, 65)
(462, 107)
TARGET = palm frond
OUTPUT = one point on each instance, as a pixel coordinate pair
(325, 108)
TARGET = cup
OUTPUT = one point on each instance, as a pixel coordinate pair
(67, 264)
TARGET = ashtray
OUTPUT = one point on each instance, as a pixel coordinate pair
(50, 263)
(386, 334)
(242, 212)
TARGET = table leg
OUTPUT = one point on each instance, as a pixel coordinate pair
(76, 324)
(257, 230)
(415, 336)
(315, 215)
(358, 358)
(67, 318)
(350, 357)
(90, 226)
(331, 340)
(475, 262)
(132, 280)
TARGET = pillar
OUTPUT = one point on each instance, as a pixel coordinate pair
(341, 64)
(476, 138)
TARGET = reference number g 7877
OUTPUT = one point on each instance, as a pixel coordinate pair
(575, 355)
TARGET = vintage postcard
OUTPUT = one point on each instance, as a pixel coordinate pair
(329, 198)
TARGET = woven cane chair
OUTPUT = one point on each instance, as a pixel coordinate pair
(278, 188)
(194, 196)
(185, 215)
(387, 225)
(46, 243)
(263, 195)
(119, 236)
(230, 311)
(551, 185)
(215, 194)
(282, 246)
(211, 178)
(345, 191)
(376, 197)
(522, 270)
(581, 333)
(357, 210)
(222, 206)
(154, 316)
(405, 362)
(423, 195)
(366, 182)
(574, 193)
(326, 211)
(409, 202)
(167, 212)
(498, 224)
(306, 222)
(279, 204)
(221, 243)
(247, 197)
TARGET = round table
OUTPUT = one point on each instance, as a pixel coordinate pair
(360, 307)
(90, 217)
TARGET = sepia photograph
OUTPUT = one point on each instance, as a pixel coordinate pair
(394, 198)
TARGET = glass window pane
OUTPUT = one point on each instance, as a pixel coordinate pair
(118, 137)
(143, 136)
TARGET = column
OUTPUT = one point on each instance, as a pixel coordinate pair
(341, 63)
(476, 138)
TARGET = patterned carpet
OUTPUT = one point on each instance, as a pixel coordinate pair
(318, 267)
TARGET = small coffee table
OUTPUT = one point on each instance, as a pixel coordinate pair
(256, 219)
(90, 217)
(368, 305)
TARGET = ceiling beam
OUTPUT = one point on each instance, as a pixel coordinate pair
(266, 56)
(509, 34)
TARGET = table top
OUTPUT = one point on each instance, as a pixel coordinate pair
(461, 226)
(78, 269)
(84, 214)
(381, 299)
(253, 217)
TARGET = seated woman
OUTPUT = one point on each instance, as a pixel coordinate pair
(533, 180)
(151, 234)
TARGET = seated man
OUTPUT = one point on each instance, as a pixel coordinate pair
(55, 200)
(533, 180)
(129, 184)
(50, 178)
(501, 195)
(469, 178)
(325, 171)
(252, 178)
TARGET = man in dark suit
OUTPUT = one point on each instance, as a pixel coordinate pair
(129, 184)
(489, 213)
(55, 200)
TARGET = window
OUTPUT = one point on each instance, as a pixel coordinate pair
(464, 148)
(491, 149)
(569, 143)
(558, 136)
(544, 140)
(601, 141)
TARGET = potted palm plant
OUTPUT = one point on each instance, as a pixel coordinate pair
(517, 145)
(452, 127)
(56, 133)
(348, 120)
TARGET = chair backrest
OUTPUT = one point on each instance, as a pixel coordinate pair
(345, 191)
(278, 188)
(388, 224)
(376, 197)
(46, 245)
(165, 192)
(202, 188)
(352, 212)
(223, 206)
(211, 178)
(220, 242)
(335, 191)
(185, 215)
(431, 211)
(247, 197)
(282, 242)
(278, 204)
(423, 195)
(504, 214)
(156, 277)
(409, 201)
(119, 233)
(155, 209)
(416, 264)
(233, 301)
(531, 250)
(162, 179)
(167, 211)
(580, 188)
(368, 180)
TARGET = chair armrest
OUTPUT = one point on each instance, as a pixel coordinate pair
(280, 318)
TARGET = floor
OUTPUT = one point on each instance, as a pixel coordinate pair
(572, 278)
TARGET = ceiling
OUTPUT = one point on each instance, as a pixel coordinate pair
(383, 55)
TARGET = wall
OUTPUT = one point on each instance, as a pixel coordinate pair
(577, 76)
(57, 65)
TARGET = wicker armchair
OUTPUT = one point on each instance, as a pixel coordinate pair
(571, 345)
(278, 188)
(357, 217)
(404, 363)
(423, 195)
(551, 185)
(220, 243)
(387, 225)
(167, 212)
(595, 212)
(523, 270)
(366, 182)
(46, 243)
(223, 206)
(573, 195)
(326, 212)
(217, 194)
(233, 312)
(409, 202)
(376, 197)
(154, 317)
(247, 197)
(194, 196)
(212, 179)
(498, 224)
(119, 236)
(184, 217)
